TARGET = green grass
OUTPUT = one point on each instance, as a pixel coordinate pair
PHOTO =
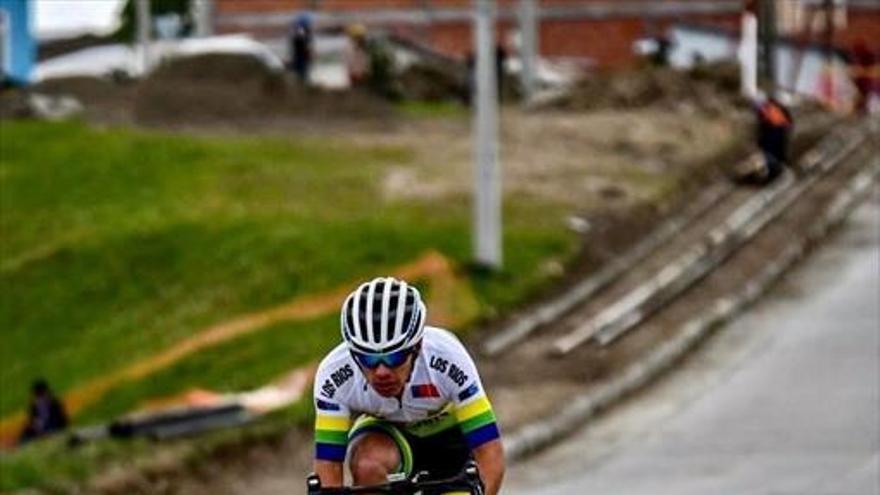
(433, 109)
(118, 243)
(52, 466)
(245, 363)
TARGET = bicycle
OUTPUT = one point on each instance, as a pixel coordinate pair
(398, 484)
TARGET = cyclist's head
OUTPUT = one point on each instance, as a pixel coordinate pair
(381, 317)
(382, 322)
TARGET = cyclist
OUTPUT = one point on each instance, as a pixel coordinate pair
(398, 396)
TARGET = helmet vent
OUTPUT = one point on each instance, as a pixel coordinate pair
(383, 315)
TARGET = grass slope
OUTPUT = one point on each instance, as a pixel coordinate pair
(118, 243)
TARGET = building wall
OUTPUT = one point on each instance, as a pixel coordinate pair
(603, 39)
(19, 48)
(855, 22)
(861, 25)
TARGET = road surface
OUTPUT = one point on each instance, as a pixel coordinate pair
(786, 400)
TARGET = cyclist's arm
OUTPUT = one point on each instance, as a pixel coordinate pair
(332, 422)
(477, 421)
(490, 460)
(330, 472)
(475, 417)
(331, 441)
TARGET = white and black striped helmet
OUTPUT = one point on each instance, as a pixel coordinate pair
(383, 315)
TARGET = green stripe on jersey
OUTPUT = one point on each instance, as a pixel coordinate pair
(477, 421)
(330, 436)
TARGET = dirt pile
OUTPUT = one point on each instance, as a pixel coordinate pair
(207, 88)
(711, 88)
(212, 90)
(104, 100)
(432, 83)
(224, 89)
(14, 105)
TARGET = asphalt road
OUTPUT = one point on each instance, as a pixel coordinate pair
(786, 400)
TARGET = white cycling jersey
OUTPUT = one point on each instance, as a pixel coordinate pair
(444, 390)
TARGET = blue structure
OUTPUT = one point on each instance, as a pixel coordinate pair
(18, 49)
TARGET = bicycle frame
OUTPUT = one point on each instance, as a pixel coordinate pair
(469, 476)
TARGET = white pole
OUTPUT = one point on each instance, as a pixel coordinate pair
(143, 34)
(487, 174)
(528, 52)
(203, 13)
(748, 55)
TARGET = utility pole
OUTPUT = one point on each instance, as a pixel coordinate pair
(828, 7)
(144, 33)
(428, 12)
(767, 35)
(487, 173)
(528, 49)
(203, 13)
(748, 54)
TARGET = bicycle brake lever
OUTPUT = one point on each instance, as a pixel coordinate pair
(313, 483)
(472, 472)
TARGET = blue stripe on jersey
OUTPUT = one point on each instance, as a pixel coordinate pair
(328, 452)
(468, 392)
(483, 434)
(327, 406)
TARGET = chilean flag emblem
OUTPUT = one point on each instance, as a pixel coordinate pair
(424, 390)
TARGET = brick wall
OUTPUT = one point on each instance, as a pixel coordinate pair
(226, 6)
(607, 42)
(863, 25)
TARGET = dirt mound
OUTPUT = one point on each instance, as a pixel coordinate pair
(432, 83)
(105, 100)
(87, 89)
(206, 88)
(234, 89)
(211, 90)
(218, 68)
(724, 76)
(712, 88)
(13, 104)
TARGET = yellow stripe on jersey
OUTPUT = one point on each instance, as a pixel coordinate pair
(334, 423)
(475, 408)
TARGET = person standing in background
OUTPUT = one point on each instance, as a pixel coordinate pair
(301, 47)
(356, 57)
(774, 127)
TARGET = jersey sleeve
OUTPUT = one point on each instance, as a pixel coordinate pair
(473, 411)
(332, 422)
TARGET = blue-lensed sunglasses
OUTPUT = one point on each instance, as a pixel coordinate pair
(391, 360)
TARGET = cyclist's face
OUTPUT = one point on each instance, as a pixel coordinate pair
(389, 382)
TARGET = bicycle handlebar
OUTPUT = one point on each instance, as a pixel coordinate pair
(469, 476)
